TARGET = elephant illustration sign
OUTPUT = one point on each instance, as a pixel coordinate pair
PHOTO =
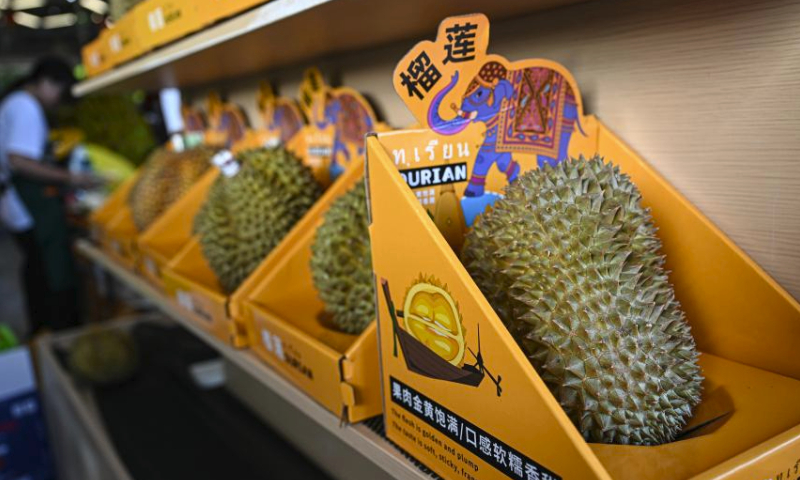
(282, 117)
(338, 120)
(226, 122)
(526, 113)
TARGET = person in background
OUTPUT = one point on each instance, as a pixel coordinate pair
(31, 201)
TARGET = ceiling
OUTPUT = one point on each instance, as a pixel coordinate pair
(30, 28)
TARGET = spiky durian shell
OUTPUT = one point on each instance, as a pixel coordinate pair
(165, 177)
(341, 262)
(104, 356)
(570, 261)
(245, 216)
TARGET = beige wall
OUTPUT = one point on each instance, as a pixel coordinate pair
(708, 92)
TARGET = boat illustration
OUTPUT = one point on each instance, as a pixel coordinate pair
(423, 361)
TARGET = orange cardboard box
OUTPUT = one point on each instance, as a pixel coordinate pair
(215, 10)
(159, 22)
(101, 218)
(95, 55)
(165, 238)
(491, 416)
(287, 327)
(190, 281)
(122, 40)
(188, 277)
(121, 233)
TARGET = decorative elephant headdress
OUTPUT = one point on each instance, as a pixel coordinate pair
(488, 76)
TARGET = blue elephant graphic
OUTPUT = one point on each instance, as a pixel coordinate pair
(531, 110)
(352, 122)
(286, 120)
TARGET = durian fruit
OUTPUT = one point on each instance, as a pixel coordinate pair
(165, 177)
(104, 356)
(341, 262)
(432, 316)
(247, 214)
(571, 263)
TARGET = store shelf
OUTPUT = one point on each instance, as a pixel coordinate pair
(372, 447)
(284, 32)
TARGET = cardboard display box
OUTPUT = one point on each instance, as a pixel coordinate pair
(288, 329)
(189, 280)
(340, 117)
(121, 234)
(123, 41)
(101, 219)
(491, 416)
(159, 22)
(95, 56)
(165, 238)
(216, 10)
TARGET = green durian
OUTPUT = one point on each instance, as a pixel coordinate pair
(165, 177)
(103, 357)
(341, 262)
(571, 263)
(246, 215)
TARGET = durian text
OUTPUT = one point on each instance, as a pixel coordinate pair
(432, 176)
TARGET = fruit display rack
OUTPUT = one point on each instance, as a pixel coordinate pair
(359, 452)
(330, 26)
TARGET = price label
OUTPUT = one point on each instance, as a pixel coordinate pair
(151, 266)
(156, 19)
(221, 158)
(116, 43)
(226, 162)
(185, 300)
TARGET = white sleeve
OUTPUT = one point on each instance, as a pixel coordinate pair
(27, 135)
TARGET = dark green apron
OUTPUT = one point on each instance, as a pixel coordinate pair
(46, 205)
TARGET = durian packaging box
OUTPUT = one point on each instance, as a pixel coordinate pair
(107, 223)
(288, 328)
(215, 10)
(122, 232)
(123, 41)
(341, 117)
(159, 22)
(95, 55)
(164, 239)
(188, 277)
(459, 394)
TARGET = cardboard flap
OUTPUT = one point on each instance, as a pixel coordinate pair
(173, 229)
(190, 264)
(522, 405)
(710, 275)
(115, 201)
(282, 284)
